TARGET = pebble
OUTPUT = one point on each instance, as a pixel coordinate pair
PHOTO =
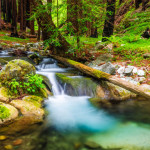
(121, 70)
(2, 137)
(128, 70)
(135, 70)
(8, 147)
(140, 73)
(17, 142)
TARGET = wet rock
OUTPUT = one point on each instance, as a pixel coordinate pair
(128, 70)
(140, 73)
(119, 93)
(77, 86)
(100, 102)
(35, 57)
(17, 142)
(108, 68)
(100, 91)
(92, 145)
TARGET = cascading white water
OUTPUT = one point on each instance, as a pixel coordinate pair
(73, 113)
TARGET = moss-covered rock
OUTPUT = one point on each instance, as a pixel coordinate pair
(119, 93)
(36, 100)
(76, 86)
(7, 113)
(16, 69)
(30, 106)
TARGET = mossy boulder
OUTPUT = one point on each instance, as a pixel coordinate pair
(16, 69)
(7, 113)
(78, 86)
(30, 106)
(118, 93)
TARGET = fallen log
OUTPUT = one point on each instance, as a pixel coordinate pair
(97, 74)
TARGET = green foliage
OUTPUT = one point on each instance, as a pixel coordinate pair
(31, 84)
(4, 112)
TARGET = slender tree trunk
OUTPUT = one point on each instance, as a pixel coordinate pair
(0, 15)
(21, 16)
(32, 31)
(14, 19)
(109, 21)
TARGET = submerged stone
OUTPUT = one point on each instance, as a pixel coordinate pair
(93, 145)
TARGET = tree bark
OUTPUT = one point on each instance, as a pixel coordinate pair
(97, 74)
(109, 21)
(137, 3)
(49, 29)
(14, 19)
(0, 15)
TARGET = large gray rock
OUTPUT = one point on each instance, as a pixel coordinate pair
(128, 70)
(108, 68)
(101, 60)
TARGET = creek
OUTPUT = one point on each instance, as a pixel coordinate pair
(72, 121)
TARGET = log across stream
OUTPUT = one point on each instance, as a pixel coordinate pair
(97, 74)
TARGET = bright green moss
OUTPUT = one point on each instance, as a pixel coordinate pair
(4, 112)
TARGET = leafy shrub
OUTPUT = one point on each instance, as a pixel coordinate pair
(30, 84)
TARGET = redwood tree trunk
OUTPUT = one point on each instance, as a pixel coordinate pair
(109, 21)
(14, 19)
(0, 15)
(49, 30)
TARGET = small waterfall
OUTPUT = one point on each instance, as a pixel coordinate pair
(72, 112)
(57, 89)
